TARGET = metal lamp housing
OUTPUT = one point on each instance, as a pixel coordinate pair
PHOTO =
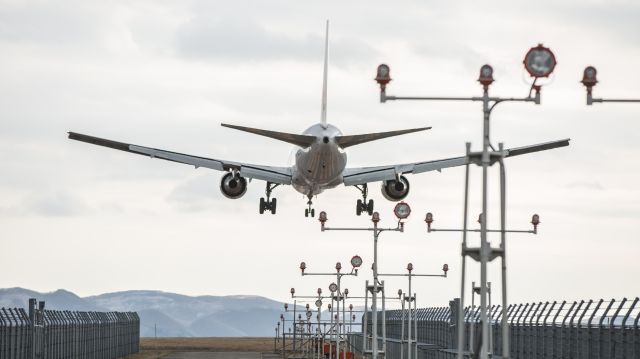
(486, 75)
(383, 75)
(333, 287)
(356, 261)
(539, 61)
(402, 210)
(589, 78)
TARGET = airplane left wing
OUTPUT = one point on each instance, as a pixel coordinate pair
(281, 175)
(358, 176)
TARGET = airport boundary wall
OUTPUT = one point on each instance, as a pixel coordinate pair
(53, 334)
(581, 329)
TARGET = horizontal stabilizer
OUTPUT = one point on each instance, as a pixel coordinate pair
(303, 141)
(347, 141)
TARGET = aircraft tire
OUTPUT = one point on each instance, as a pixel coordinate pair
(358, 207)
(274, 203)
(370, 207)
(262, 205)
(313, 212)
(306, 212)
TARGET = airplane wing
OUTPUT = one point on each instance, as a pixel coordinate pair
(357, 176)
(281, 175)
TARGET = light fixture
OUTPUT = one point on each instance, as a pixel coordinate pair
(402, 210)
(539, 61)
(338, 266)
(383, 75)
(445, 268)
(375, 218)
(303, 266)
(356, 261)
(486, 76)
(429, 219)
(535, 220)
(333, 287)
(319, 303)
(410, 267)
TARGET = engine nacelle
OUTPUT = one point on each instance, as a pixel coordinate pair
(233, 186)
(395, 190)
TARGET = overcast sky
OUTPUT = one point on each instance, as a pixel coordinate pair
(165, 74)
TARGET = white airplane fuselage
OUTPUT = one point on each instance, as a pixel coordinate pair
(320, 166)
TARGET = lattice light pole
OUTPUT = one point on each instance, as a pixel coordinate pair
(539, 62)
(402, 211)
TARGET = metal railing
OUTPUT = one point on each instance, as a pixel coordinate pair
(580, 329)
(51, 334)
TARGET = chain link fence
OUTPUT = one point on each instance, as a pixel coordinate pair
(580, 329)
(52, 334)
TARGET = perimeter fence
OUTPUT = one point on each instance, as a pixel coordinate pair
(52, 334)
(580, 329)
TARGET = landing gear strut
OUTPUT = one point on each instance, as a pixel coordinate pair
(269, 204)
(362, 205)
(309, 211)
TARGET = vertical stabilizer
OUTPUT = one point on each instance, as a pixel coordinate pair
(323, 116)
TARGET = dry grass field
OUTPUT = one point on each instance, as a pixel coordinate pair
(151, 348)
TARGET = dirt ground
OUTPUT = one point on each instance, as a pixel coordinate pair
(151, 348)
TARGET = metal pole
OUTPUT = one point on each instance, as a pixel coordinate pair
(374, 304)
(472, 324)
(461, 322)
(484, 244)
(402, 328)
(415, 325)
(338, 320)
(503, 247)
(409, 345)
(294, 325)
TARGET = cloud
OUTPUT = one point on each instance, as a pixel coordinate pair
(58, 203)
(195, 195)
(585, 185)
(244, 40)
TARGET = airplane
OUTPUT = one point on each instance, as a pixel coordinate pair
(320, 161)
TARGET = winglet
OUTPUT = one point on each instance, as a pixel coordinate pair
(323, 115)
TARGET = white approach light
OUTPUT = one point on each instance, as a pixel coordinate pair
(356, 261)
(402, 210)
(539, 61)
(333, 287)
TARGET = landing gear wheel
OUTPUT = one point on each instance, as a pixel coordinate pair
(313, 212)
(362, 205)
(370, 207)
(306, 212)
(359, 207)
(263, 205)
(273, 206)
(268, 204)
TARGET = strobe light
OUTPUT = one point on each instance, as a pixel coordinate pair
(293, 291)
(303, 266)
(539, 61)
(402, 210)
(445, 269)
(338, 267)
(356, 261)
(409, 267)
(333, 287)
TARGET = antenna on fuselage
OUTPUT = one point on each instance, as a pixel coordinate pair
(323, 115)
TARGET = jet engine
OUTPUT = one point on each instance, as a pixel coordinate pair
(395, 190)
(233, 186)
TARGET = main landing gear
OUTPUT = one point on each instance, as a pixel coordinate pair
(362, 205)
(309, 211)
(269, 204)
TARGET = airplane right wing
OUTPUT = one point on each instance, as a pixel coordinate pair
(362, 175)
(281, 175)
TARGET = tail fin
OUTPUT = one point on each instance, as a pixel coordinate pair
(303, 141)
(347, 141)
(323, 115)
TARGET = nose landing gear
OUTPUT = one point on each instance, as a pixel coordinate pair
(362, 205)
(309, 211)
(269, 204)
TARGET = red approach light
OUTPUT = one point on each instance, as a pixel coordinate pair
(375, 218)
(589, 78)
(293, 291)
(303, 266)
(410, 267)
(383, 75)
(445, 268)
(319, 291)
(338, 266)
(486, 76)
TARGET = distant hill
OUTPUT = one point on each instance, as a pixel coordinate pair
(168, 314)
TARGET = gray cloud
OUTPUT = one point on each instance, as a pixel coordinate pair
(58, 203)
(248, 41)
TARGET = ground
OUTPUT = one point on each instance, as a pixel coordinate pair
(204, 348)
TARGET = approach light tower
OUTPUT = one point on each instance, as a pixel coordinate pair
(402, 212)
(539, 62)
